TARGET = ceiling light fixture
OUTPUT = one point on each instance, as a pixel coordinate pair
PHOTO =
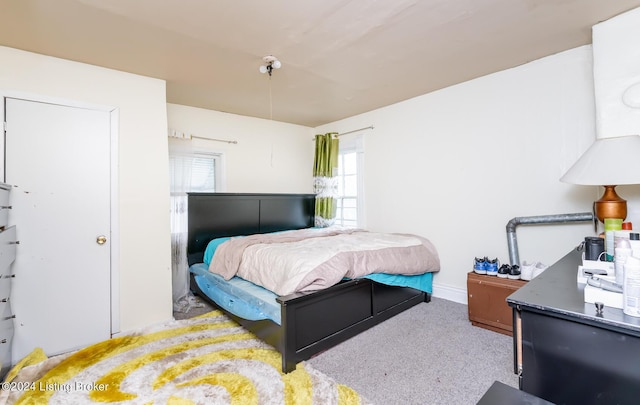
(270, 63)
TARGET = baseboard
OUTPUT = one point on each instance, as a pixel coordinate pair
(145, 327)
(447, 292)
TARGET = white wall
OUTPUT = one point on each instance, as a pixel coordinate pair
(617, 75)
(457, 164)
(145, 253)
(270, 156)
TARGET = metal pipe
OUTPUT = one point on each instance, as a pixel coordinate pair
(512, 241)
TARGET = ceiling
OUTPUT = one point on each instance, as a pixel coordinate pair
(339, 57)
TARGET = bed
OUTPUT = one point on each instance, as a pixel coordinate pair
(307, 323)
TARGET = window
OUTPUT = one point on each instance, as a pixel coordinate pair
(350, 184)
(196, 172)
(347, 211)
(205, 172)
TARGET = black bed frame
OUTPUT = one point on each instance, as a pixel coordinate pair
(310, 322)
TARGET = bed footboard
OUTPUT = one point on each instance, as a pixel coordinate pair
(315, 322)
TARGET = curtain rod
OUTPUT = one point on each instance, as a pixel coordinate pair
(214, 139)
(350, 132)
(356, 130)
(183, 135)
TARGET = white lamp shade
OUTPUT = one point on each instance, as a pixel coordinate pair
(609, 161)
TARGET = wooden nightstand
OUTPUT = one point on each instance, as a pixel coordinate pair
(487, 301)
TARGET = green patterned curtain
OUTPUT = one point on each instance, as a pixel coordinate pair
(325, 184)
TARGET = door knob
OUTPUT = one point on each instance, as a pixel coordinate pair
(101, 240)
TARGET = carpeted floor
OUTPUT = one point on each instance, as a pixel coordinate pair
(430, 354)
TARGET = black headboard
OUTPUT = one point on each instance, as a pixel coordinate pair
(215, 215)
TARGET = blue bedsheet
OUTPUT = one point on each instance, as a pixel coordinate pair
(238, 296)
(422, 282)
(250, 301)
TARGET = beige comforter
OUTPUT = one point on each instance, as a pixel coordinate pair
(314, 259)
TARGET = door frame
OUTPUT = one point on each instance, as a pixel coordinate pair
(114, 113)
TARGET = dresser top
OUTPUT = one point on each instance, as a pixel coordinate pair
(556, 292)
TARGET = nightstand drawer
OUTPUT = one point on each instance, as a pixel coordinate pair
(6, 338)
(7, 250)
(4, 204)
(487, 302)
(5, 290)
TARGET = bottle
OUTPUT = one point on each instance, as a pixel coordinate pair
(610, 226)
(622, 252)
(631, 287)
(634, 241)
(620, 235)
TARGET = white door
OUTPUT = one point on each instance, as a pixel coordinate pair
(58, 160)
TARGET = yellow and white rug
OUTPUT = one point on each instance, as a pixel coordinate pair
(204, 360)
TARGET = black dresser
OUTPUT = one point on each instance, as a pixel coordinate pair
(564, 351)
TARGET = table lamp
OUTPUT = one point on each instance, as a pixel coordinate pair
(609, 162)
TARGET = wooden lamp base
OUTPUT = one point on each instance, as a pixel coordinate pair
(610, 205)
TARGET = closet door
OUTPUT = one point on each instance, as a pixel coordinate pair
(58, 160)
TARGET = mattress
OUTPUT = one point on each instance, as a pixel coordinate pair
(317, 258)
(250, 301)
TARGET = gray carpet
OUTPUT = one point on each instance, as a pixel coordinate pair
(430, 354)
